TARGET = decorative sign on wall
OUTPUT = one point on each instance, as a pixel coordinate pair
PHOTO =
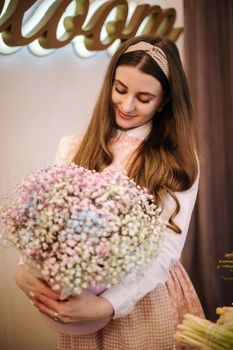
(47, 25)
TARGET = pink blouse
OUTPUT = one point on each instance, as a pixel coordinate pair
(134, 287)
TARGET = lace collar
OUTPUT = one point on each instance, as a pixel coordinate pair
(140, 132)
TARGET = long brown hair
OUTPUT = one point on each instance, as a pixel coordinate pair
(165, 162)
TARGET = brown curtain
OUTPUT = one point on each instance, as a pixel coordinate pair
(209, 66)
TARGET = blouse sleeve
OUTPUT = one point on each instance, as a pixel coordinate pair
(124, 295)
(67, 148)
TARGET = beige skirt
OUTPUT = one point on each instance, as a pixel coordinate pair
(152, 323)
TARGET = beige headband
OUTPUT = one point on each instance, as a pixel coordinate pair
(155, 52)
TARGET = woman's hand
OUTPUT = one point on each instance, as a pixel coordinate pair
(84, 307)
(31, 284)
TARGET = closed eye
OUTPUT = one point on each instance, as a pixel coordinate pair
(122, 92)
(143, 101)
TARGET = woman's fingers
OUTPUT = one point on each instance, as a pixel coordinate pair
(51, 308)
(48, 302)
(30, 284)
(47, 311)
(43, 288)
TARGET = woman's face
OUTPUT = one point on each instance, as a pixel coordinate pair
(136, 97)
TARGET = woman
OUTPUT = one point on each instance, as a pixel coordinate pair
(142, 123)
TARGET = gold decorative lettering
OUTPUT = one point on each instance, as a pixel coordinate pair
(6, 18)
(12, 28)
(144, 20)
(73, 25)
(92, 41)
(160, 21)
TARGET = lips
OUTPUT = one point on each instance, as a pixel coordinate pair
(125, 116)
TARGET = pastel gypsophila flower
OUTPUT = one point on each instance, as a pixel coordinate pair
(79, 227)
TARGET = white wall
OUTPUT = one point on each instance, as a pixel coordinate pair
(42, 99)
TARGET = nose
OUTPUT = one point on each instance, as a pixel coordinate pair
(127, 104)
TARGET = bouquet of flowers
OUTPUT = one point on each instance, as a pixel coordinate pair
(78, 228)
(207, 335)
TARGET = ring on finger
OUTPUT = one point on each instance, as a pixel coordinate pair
(55, 316)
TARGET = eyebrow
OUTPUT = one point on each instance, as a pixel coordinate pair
(140, 93)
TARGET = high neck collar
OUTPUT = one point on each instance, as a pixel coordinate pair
(140, 132)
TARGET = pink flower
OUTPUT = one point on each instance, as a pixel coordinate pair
(78, 226)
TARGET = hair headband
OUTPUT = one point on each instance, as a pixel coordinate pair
(155, 52)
